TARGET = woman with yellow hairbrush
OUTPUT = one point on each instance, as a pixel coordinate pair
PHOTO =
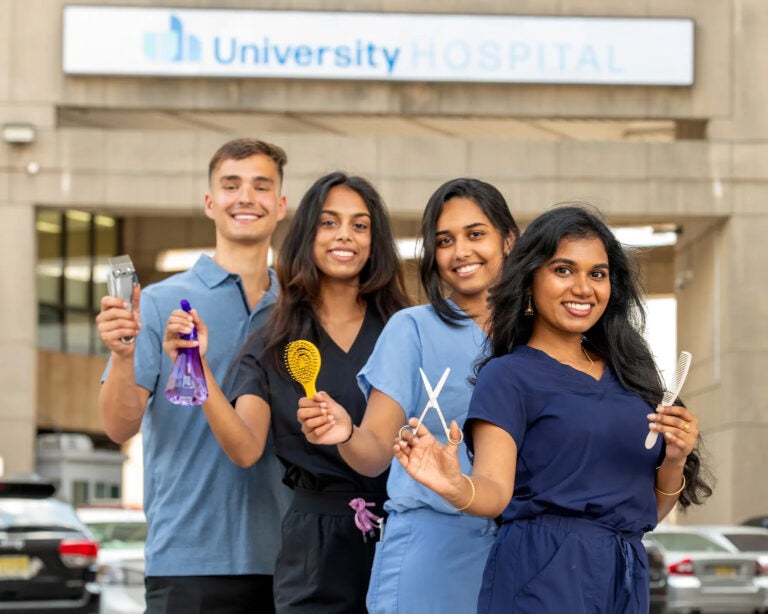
(340, 282)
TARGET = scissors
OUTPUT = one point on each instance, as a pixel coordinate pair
(432, 403)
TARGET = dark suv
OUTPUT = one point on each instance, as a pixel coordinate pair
(47, 555)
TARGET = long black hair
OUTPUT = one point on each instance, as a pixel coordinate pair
(493, 206)
(381, 279)
(616, 337)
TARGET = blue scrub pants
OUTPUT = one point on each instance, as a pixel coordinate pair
(552, 564)
(429, 563)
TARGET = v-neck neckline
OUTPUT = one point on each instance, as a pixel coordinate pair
(359, 334)
(467, 318)
(568, 370)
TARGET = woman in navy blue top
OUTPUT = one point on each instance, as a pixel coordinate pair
(557, 425)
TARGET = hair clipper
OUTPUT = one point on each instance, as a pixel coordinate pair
(120, 282)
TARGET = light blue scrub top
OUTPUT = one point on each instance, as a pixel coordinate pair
(417, 337)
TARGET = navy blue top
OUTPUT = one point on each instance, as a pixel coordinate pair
(580, 441)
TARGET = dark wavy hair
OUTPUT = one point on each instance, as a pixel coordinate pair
(495, 208)
(616, 336)
(381, 279)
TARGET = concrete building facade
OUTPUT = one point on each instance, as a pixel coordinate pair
(135, 149)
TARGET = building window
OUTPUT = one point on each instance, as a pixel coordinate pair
(106, 490)
(79, 492)
(72, 252)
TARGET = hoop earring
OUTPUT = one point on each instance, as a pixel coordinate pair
(529, 307)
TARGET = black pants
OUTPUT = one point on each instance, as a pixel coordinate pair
(324, 564)
(246, 594)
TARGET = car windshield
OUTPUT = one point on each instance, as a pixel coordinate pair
(687, 542)
(749, 542)
(37, 514)
(119, 535)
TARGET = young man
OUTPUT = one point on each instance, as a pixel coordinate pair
(213, 527)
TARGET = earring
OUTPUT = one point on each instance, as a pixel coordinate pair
(529, 307)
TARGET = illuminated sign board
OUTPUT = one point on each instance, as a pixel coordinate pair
(376, 46)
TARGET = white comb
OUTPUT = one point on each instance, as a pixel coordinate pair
(672, 391)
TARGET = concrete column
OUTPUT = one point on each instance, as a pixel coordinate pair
(723, 321)
(18, 336)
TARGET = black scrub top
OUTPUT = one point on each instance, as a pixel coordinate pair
(309, 466)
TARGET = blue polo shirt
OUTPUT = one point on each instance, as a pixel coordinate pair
(206, 515)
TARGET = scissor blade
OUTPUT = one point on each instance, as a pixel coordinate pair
(432, 402)
(427, 385)
(440, 384)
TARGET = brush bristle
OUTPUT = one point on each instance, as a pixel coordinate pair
(302, 360)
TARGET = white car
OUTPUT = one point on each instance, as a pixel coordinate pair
(121, 534)
(704, 576)
(752, 541)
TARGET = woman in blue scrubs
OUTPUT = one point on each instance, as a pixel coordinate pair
(431, 557)
(557, 425)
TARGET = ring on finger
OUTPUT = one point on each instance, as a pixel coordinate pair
(687, 427)
(400, 432)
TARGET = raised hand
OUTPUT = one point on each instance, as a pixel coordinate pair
(181, 323)
(680, 429)
(323, 420)
(115, 321)
(428, 461)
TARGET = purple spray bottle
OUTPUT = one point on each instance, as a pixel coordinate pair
(186, 385)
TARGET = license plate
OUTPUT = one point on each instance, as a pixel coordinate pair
(12, 567)
(725, 571)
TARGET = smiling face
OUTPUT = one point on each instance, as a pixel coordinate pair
(244, 199)
(571, 290)
(469, 250)
(342, 242)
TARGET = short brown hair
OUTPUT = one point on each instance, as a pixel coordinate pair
(240, 149)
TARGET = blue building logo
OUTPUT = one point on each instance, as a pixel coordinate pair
(172, 46)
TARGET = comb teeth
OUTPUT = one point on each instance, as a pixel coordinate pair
(672, 391)
(676, 385)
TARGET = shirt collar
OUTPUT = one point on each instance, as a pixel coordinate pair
(273, 287)
(211, 274)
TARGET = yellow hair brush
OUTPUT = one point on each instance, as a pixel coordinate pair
(302, 359)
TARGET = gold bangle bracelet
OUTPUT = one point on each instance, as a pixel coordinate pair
(671, 494)
(472, 498)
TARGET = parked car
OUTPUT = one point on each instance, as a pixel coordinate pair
(757, 521)
(121, 534)
(751, 541)
(657, 572)
(47, 555)
(703, 576)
